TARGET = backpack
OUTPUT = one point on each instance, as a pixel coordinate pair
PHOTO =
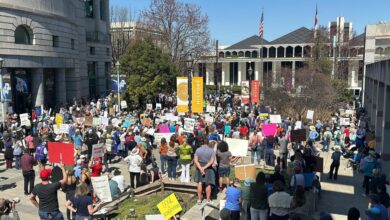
(17, 150)
(40, 153)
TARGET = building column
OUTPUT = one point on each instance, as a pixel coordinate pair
(385, 150)
(37, 87)
(60, 86)
(379, 115)
(210, 73)
(374, 103)
(293, 52)
(226, 73)
(257, 70)
(239, 79)
(293, 75)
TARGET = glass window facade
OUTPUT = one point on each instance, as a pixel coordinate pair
(92, 70)
(89, 8)
(22, 36)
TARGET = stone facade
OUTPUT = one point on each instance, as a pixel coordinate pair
(63, 54)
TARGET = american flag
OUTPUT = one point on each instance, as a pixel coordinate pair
(261, 30)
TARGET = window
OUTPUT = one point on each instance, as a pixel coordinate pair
(92, 50)
(107, 71)
(72, 43)
(89, 8)
(102, 10)
(92, 78)
(22, 35)
(108, 51)
(55, 41)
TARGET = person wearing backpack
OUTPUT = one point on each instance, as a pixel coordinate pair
(41, 156)
(367, 165)
(327, 139)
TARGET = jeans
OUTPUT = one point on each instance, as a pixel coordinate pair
(259, 214)
(163, 159)
(366, 183)
(68, 196)
(326, 146)
(245, 212)
(17, 161)
(172, 164)
(334, 167)
(29, 178)
(78, 217)
(277, 217)
(132, 175)
(269, 157)
(185, 173)
(258, 151)
(54, 215)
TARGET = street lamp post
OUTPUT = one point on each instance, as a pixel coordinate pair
(118, 86)
(189, 64)
(250, 84)
(1, 86)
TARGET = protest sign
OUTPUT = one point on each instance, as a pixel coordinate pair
(276, 119)
(154, 217)
(298, 135)
(158, 106)
(61, 151)
(344, 121)
(268, 129)
(115, 122)
(164, 129)
(170, 116)
(298, 125)
(237, 147)
(159, 136)
(349, 112)
(126, 124)
(101, 188)
(64, 129)
(189, 125)
(88, 120)
(245, 171)
(310, 114)
(208, 118)
(210, 108)
(112, 111)
(104, 120)
(169, 207)
(149, 106)
(150, 131)
(123, 104)
(24, 121)
(59, 120)
(96, 121)
(97, 150)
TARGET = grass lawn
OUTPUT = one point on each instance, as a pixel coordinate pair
(148, 205)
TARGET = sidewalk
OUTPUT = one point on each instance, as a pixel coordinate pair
(338, 196)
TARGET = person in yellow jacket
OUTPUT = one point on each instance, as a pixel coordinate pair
(185, 152)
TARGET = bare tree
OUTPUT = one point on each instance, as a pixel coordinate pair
(182, 27)
(123, 32)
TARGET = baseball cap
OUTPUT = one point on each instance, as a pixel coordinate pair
(45, 174)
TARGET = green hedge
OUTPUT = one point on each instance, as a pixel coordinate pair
(212, 89)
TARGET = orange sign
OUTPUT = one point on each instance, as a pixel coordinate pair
(255, 91)
(197, 94)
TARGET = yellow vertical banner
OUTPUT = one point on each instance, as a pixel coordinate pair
(182, 94)
(59, 119)
(197, 94)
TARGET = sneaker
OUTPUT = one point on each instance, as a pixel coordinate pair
(199, 202)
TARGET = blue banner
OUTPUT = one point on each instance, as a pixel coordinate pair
(122, 85)
(6, 92)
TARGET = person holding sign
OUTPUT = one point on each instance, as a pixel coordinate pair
(46, 191)
(82, 203)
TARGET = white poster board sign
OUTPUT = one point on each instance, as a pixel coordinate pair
(210, 108)
(275, 119)
(189, 125)
(101, 188)
(149, 106)
(238, 147)
(104, 120)
(154, 217)
(298, 125)
(159, 136)
(208, 118)
(97, 150)
(310, 114)
(24, 121)
(344, 121)
(123, 104)
(150, 131)
(158, 106)
(349, 112)
(64, 128)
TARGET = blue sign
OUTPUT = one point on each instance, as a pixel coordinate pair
(6, 93)
(122, 85)
(21, 84)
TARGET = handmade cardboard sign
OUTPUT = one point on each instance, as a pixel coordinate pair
(169, 207)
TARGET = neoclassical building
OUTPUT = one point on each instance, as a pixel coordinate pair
(54, 51)
(283, 57)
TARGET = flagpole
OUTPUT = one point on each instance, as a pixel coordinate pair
(261, 57)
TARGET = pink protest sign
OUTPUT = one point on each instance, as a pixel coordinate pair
(268, 129)
(164, 129)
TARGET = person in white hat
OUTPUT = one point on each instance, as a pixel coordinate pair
(334, 166)
(134, 160)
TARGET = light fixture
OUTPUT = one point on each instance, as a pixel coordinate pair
(189, 61)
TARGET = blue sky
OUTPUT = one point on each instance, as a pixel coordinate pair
(233, 20)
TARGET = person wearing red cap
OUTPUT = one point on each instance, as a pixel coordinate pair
(47, 194)
(96, 167)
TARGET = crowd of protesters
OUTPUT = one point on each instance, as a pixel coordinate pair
(129, 137)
